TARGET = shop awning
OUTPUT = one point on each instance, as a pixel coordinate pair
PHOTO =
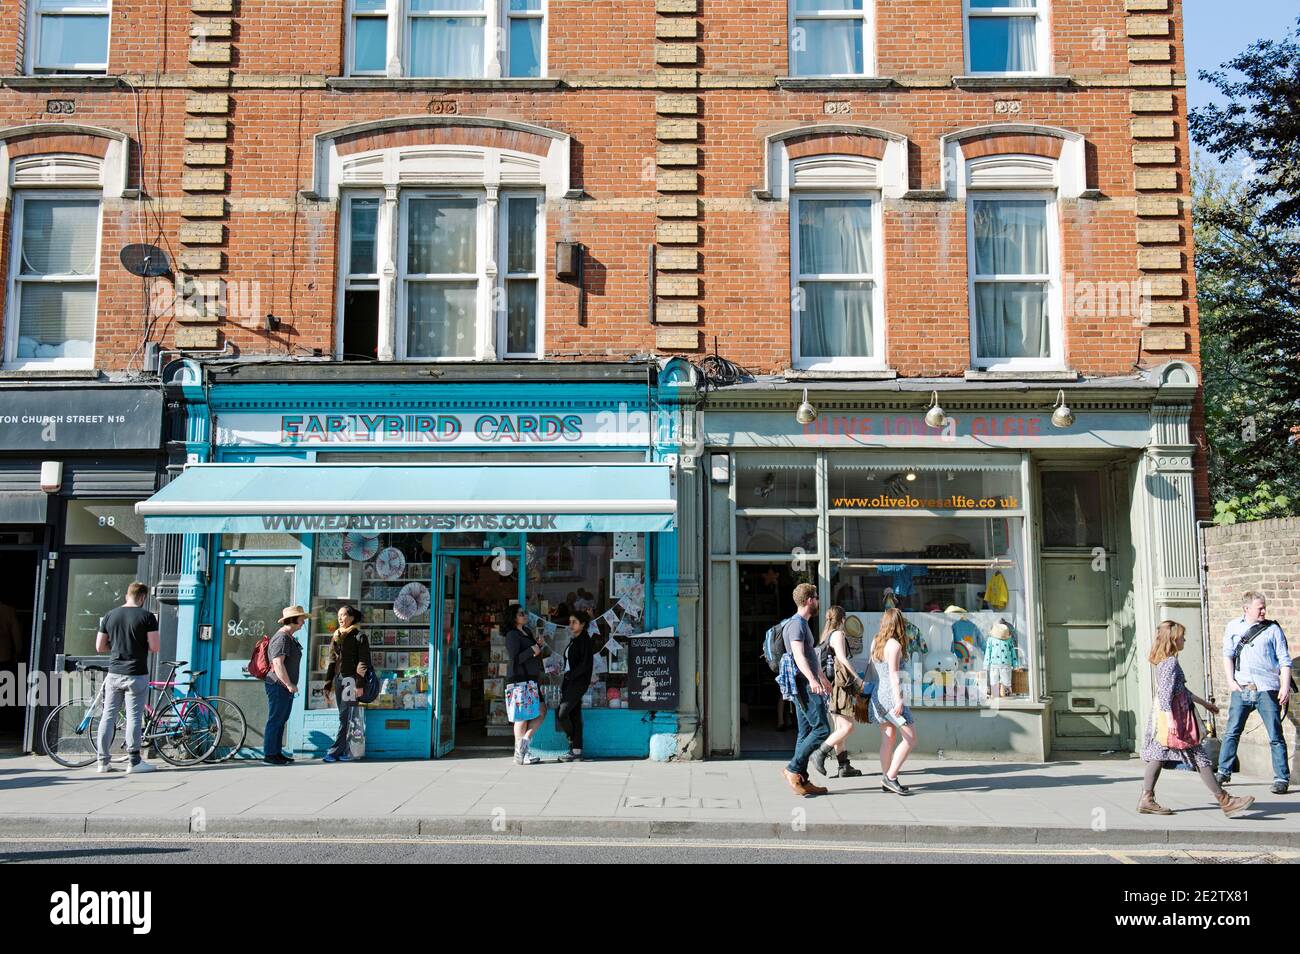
(331, 498)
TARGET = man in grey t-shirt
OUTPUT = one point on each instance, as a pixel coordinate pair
(811, 690)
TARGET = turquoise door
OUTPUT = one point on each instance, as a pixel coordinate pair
(254, 591)
(446, 647)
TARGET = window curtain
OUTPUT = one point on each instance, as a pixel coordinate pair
(1011, 317)
(447, 46)
(60, 236)
(1004, 44)
(525, 46)
(836, 316)
(442, 239)
(827, 47)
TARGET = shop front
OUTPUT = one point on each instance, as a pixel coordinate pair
(435, 508)
(1064, 541)
(75, 458)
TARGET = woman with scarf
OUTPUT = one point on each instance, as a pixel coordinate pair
(345, 679)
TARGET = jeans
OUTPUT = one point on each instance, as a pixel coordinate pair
(279, 703)
(814, 726)
(1243, 704)
(345, 696)
(134, 690)
(569, 719)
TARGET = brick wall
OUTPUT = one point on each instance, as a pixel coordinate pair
(1264, 556)
(622, 64)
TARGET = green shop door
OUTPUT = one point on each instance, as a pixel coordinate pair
(1079, 570)
(253, 593)
(446, 634)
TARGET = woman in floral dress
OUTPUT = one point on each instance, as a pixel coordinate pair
(1170, 684)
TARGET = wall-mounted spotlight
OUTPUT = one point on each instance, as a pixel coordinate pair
(1062, 416)
(806, 413)
(935, 417)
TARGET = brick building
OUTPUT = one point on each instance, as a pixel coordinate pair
(871, 206)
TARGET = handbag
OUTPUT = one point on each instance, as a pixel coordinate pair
(1178, 729)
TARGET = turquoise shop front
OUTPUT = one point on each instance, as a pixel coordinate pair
(433, 506)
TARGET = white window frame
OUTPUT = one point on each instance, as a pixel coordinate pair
(13, 311)
(496, 15)
(490, 270)
(1056, 330)
(540, 14)
(357, 281)
(502, 316)
(849, 363)
(867, 17)
(1042, 36)
(35, 15)
(353, 16)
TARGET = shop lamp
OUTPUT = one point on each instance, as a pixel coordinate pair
(1062, 416)
(935, 417)
(806, 413)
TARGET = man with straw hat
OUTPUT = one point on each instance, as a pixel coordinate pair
(284, 653)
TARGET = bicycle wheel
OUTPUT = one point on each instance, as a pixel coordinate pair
(185, 731)
(234, 729)
(70, 731)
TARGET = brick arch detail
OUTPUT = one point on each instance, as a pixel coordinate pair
(50, 143)
(840, 144)
(483, 136)
(1020, 144)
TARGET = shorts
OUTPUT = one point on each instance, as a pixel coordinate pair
(523, 702)
(999, 674)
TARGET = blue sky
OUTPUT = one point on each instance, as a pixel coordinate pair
(1217, 30)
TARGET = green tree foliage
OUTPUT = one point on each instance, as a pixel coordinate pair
(1248, 276)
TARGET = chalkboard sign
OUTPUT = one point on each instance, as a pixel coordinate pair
(652, 671)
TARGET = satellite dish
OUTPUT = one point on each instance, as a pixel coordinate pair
(147, 261)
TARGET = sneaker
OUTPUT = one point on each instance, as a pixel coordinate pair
(892, 785)
(344, 757)
(288, 759)
(140, 767)
(330, 758)
(275, 760)
(103, 768)
(1280, 788)
(573, 755)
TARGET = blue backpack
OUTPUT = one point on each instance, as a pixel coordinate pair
(774, 644)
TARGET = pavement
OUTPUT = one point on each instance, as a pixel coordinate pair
(953, 802)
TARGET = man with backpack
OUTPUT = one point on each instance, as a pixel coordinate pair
(284, 659)
(809, 689)
(1257, 662)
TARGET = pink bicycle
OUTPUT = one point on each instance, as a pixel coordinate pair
(182, 730)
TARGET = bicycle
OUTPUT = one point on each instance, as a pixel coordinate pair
(234, 726)
(183, 731)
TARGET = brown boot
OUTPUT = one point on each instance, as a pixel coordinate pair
(1147, 805)
(797, 784)
(1234, 805)
(814, 789)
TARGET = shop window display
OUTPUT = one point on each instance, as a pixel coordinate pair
(389, 578)
(959, 582)
(602, 574)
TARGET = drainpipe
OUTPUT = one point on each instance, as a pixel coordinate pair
(1204, 566)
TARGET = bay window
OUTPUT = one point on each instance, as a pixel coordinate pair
(53, 279)
(1006, 36)
(837, 314)
(830, 38)
(453, 39)
(69, 36)
(1014, 280)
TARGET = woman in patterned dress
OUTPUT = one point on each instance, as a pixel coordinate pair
(1169, 681)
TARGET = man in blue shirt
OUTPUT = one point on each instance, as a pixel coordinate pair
(810, 691)
(1260, 681)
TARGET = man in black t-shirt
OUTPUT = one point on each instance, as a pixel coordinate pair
(127, 635)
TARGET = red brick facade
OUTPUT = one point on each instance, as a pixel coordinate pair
(664, 149)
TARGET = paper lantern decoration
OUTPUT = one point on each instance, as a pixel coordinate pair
(360, 546)
(412, 601)
(390, 564)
